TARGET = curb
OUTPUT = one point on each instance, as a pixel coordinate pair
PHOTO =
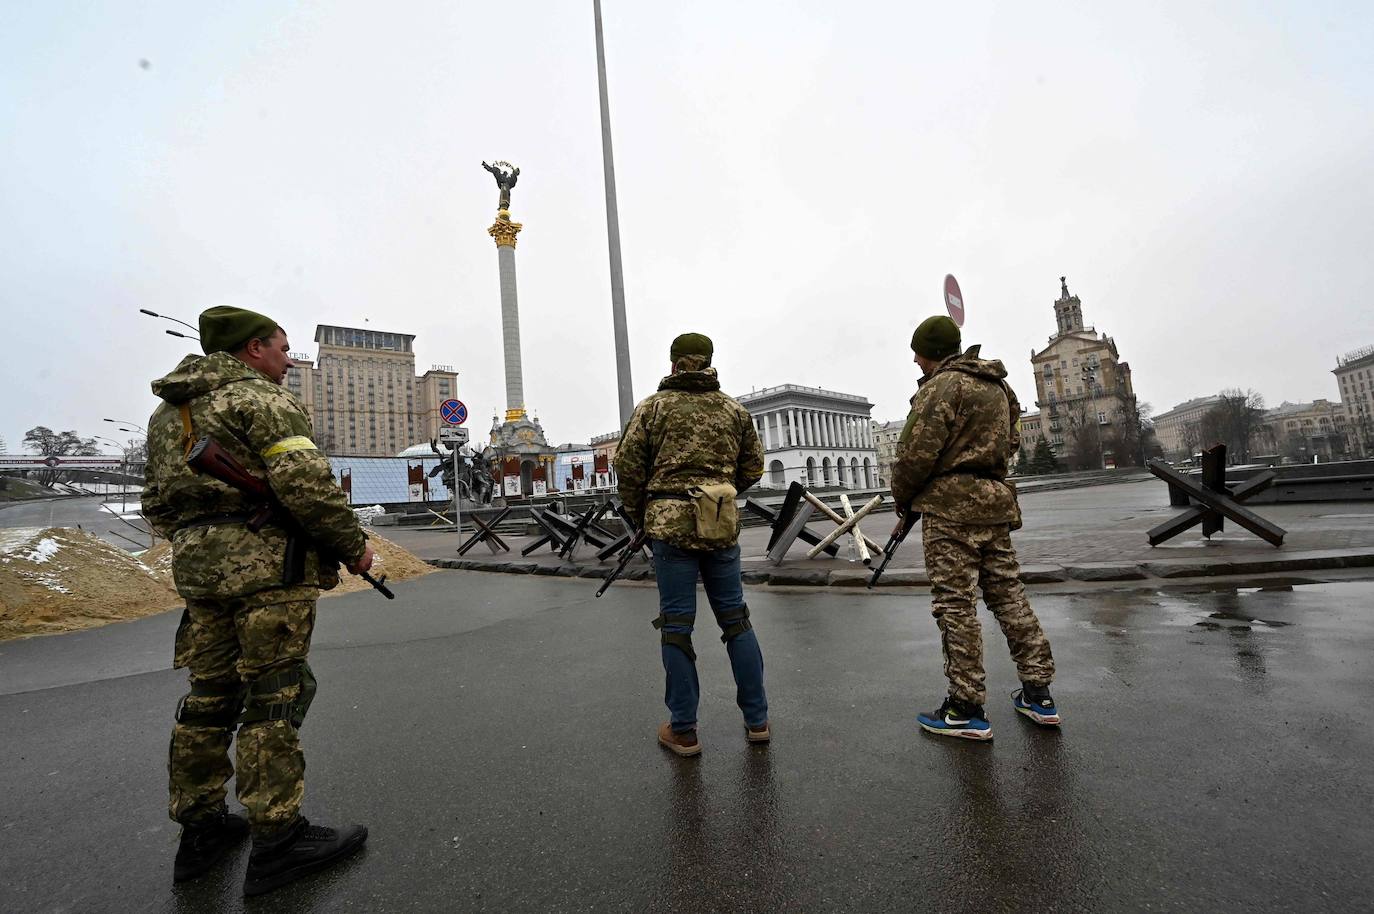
(1165, 569)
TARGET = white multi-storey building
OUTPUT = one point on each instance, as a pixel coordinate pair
(816, 437)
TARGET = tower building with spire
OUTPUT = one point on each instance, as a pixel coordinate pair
(1082, 387)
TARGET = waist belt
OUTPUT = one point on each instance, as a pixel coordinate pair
(214, 520)
(992, 477)
(669, 496)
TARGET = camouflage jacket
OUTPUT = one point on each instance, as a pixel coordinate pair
(961, 433)
(268, 431)
(688, 434)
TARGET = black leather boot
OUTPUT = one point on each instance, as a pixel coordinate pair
(299, 849)
(203, 844)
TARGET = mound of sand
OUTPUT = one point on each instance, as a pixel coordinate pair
(396, 563)
(60, 580)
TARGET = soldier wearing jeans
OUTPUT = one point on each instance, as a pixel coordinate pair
(951, 467)
(685, 454)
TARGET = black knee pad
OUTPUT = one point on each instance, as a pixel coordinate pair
(733, 623)
(680, 640)
(257, 708)
(227, 697)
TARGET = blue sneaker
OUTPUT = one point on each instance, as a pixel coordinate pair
(957, 718)
(1035, 702)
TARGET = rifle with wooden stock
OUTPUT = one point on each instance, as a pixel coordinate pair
(208, 457)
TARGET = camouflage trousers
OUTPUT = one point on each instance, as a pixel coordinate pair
(960, 557)
(227, 645)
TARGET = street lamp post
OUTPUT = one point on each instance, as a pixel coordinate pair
(1090, 382)
(123, 467)
(124, 475)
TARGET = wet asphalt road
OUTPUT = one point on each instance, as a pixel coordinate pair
(496, 734)
(83, 511)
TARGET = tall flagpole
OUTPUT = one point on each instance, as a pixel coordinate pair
(622, 335)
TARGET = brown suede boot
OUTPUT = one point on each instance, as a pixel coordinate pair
(683, 744)
(761, 735)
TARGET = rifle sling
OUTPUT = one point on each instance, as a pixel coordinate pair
(188, 436)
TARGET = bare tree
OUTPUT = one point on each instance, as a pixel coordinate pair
(1190, 438)
(45, 442)
(1132, 433)
(1084, 440)
(1234, 421)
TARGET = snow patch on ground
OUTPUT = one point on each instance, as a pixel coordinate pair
(12, 539)
(47, 548)
(18, 544)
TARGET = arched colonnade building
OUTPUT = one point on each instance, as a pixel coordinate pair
(820, 438)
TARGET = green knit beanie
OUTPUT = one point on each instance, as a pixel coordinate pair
(225, 329)
(936, 338)
(697, 344)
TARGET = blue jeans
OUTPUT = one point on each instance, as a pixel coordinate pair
(676, 571)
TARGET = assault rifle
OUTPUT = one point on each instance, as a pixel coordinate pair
(636, 543)
(908, 521)
(206, 456)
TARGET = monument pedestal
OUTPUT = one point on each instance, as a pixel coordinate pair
(525, 457)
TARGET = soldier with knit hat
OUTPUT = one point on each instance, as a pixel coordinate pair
(245, 633)
(951, 468)
(687, 451)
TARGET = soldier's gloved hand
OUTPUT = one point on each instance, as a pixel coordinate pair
(364, 563)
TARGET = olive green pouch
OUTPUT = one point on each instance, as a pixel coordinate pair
(717, 516)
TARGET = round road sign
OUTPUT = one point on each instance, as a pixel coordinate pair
(453, 412)
(954, 299)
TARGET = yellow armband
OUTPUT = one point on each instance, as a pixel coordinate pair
(287, 445)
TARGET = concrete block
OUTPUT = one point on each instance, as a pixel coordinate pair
(1179, 568)
(806, 577)
(906, 578)
(1041, 574)
(850, 577)
(1104, 571)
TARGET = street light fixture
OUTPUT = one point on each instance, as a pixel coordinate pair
(176, 333)
(1089, 374)
(123, 468)
(135, 425)
(166, 318)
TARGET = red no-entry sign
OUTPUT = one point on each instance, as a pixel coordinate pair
(954, 299)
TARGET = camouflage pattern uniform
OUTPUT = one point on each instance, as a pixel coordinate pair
(688, 434)
(691, 434)
(951, 466)
(244, 635)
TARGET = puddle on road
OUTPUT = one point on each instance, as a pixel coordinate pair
(1242, 617)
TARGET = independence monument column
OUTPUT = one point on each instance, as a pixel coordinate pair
(527, 461)
(503, 231)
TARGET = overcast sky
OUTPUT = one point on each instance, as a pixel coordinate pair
(795, 180)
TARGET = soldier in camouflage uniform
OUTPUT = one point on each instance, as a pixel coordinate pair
(951, 467)
(246, 630)
(686, 452)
